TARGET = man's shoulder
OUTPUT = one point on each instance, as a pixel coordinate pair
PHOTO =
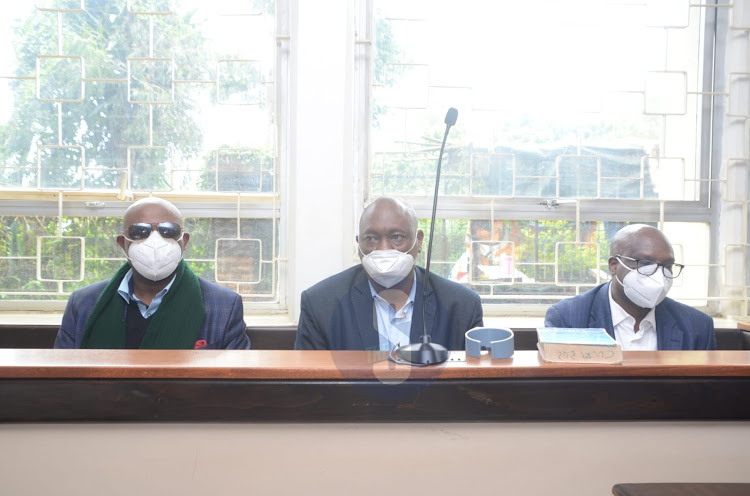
(582, 303)
(683, 310)
(216, 290)
(92, 290)
(587, 297)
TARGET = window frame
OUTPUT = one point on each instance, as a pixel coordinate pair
(219, 205)
(714, 30)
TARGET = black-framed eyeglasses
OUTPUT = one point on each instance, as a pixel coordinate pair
(649, 267)
(142, 230)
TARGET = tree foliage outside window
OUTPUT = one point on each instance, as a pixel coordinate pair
(104, 122)
(119, 100)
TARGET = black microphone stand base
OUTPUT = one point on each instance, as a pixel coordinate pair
(422, 353)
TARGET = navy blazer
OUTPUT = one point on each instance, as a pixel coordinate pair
(678, 326)
(222, 328)
(338, 313)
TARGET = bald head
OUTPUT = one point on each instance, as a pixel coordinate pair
(389, 224)
(152, 210)
(394, 208)
(641, 241)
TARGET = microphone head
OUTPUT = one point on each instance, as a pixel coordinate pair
(451, 116)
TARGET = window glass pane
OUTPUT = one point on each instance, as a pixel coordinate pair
(541, 261)
(241, 257)
(537, 84)
(246, 259)
(119, 100)
(152, 100)
(566, 111)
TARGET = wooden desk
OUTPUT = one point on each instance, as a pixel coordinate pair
(249, 422)
(681, 489)
(51, 385)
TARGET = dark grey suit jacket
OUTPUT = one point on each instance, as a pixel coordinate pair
(338, 313)
(222, 328)
(678, 326)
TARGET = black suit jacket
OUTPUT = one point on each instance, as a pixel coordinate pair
(338, 313)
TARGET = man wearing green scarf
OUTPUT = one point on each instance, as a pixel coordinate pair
(154, 301)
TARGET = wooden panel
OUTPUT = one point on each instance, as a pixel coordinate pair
(27, 336)
(294, 386)
(272, 338)
(412, 401)
(282, 337)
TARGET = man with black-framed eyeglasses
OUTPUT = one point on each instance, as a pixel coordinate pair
(154, 301)
(633, 307)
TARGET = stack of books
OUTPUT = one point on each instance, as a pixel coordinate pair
(577, 345)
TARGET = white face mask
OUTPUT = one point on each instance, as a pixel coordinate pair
(388, 267)
(645, 291)
(155, 258)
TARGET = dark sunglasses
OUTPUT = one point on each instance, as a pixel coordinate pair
(142, 230)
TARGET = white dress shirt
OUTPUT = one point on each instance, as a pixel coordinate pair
(624, 326)
(394, 327)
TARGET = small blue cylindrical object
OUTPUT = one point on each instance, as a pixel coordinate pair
(498, 340)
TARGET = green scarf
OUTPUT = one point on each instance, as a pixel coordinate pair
(174, 326)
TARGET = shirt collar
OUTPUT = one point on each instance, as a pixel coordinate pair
(126, 287)
(412, 293)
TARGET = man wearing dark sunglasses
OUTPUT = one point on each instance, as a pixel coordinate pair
(633, 307)
(154, 301)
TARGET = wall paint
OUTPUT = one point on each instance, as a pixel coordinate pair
(574, 458)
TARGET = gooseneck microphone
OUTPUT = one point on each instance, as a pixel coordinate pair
(426, 352)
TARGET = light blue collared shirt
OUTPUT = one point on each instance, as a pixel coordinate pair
(394, 328)
(126, 291)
